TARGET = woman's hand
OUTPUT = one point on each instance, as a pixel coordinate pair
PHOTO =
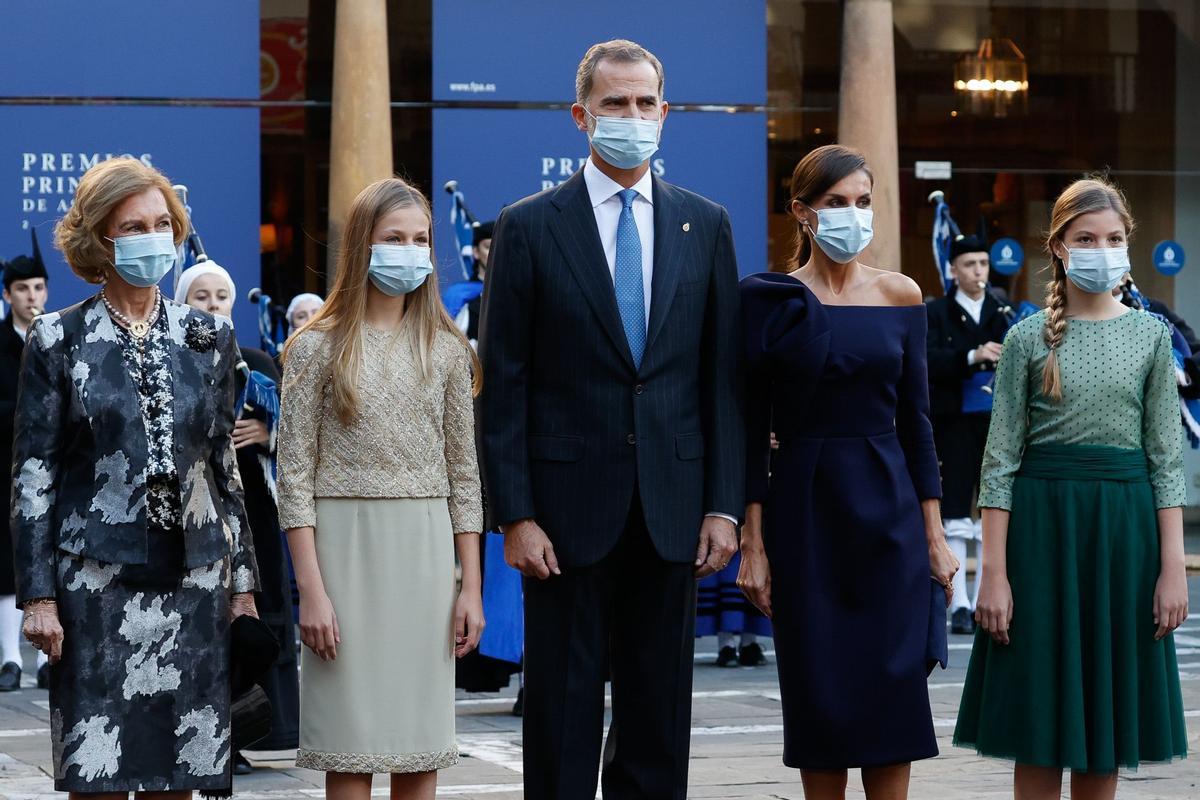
(468, 621)
(943, 565)
(242, 603)
(994, 610)
(1170, 600)
(318, 624)
(42, 628)
(754, 577)
(250, 431)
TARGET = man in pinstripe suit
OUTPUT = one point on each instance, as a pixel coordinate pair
(612, 434)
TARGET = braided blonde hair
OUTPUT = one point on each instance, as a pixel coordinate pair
(1084, 196)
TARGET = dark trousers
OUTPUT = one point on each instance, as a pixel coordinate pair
(632, 618)
(960, 440)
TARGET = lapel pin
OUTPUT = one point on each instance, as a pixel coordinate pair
(687, 226)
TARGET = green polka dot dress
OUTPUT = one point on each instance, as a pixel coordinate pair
(1082, 684)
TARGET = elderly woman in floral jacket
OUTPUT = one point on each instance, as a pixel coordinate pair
(132, 548)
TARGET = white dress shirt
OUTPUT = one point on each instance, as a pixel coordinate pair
(972, 307)
(603, 191)
(975, 309)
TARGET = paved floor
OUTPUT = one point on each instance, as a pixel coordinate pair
(736, 742)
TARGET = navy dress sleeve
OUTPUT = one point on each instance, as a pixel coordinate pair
(912, 412)
(786, 333)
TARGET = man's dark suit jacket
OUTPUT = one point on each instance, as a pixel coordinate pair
(571, 428)
(953, 334)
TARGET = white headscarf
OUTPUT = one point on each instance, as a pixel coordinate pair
(203, 268)
(304, 297)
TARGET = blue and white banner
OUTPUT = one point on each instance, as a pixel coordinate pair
(945, 231)
(499, 156)
(214, 151)
(462, 223)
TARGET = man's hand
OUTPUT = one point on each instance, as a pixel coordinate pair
(718, 543)
(250, 431)
(987, 353)
(527, 549)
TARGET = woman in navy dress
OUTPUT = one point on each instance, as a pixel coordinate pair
(843, 530)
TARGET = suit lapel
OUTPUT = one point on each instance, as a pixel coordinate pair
(668, 236)
(176, 323)
(104, 383)
(101, 364)
(579, 240)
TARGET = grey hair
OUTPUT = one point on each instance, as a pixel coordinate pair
(620, 50)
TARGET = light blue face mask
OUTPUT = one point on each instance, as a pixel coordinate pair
(143, 259)
(843, 233)
(1097, 269)
(398, 269)
(624, 142)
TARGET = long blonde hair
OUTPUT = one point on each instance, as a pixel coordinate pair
(1084, 196)
(342, 316)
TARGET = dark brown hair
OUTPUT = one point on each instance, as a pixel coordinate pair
(816, 173)
(619, 50)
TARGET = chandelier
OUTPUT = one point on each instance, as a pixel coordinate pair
(994, 79)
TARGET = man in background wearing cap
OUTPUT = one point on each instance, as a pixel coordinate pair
(463, 300)
(25, 292)
(965, 330)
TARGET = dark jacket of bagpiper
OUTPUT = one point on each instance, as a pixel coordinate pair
(953, 334)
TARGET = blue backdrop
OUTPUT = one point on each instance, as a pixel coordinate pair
(172, 49)
(713, 51)
(499, 156)
(129, 48)
(215, 151)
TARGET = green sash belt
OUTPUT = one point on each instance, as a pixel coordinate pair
(1080, 462)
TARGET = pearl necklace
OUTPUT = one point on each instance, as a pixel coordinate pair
(137, 328)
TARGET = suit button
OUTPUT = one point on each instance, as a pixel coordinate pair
(631, 439)
(639, 389)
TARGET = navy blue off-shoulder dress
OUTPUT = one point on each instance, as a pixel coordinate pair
(858, 621)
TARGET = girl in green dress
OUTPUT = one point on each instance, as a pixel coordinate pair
(1082, 492)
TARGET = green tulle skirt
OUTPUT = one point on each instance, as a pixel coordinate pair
(1083, 684)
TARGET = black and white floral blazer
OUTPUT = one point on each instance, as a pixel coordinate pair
(80, 452)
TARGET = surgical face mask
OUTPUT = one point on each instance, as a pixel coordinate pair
(398, 269)
(843, 233)
(1097, 269)
(144, 259)
(624, 142)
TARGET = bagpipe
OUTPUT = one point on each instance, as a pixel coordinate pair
(977, 389)
(1181, 352)
(259, 397)
(945, 232)
(463, 223)
(272, 322)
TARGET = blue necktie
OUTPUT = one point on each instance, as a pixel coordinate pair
(627, 278)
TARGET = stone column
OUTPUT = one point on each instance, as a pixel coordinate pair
(361, 131)
(867, 116)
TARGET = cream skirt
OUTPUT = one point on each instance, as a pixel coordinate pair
(386, 704)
